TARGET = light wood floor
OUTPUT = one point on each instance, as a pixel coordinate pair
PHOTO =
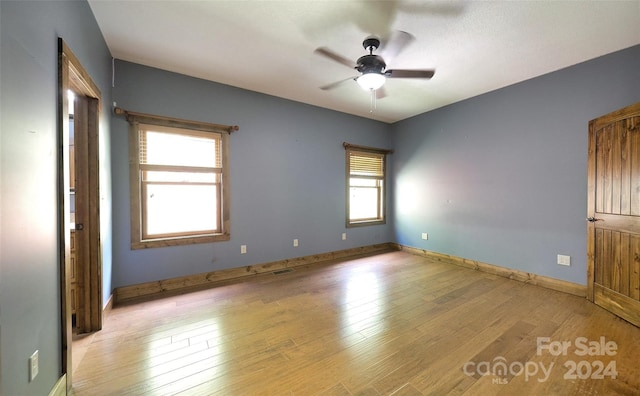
(393, 323)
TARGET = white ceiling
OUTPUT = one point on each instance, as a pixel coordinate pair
(268, 46)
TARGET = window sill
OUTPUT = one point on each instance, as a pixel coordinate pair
(164, 242)
(365, 223)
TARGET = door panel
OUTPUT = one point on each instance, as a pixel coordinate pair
(87, 232)
(613, 247)
(82, 251)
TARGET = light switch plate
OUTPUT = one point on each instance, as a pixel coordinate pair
(33, 366)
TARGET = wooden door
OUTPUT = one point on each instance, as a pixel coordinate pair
(613, 245)
(87, 215)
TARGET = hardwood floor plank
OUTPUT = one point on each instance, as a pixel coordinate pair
(394, 323)
(338, 390)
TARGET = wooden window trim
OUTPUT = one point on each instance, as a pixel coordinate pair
(135, 182)
(349, 148)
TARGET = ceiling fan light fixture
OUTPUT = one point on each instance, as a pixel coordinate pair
(371, 81)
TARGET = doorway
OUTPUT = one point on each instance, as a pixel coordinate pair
(613, 232)
(80, 257)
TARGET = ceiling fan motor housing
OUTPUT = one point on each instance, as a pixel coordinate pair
(371, 64)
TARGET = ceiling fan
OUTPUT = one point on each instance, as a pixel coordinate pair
(373, 69)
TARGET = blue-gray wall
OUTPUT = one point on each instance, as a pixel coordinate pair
(287, 169)
(502, 177)
(29, 267)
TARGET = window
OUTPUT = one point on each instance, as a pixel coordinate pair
(365, 185)
(179, 179)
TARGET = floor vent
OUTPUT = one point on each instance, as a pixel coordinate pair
(282, 271)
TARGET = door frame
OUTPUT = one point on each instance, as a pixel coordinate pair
(72, 76)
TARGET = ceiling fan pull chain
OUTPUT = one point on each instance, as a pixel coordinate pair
(373, 100)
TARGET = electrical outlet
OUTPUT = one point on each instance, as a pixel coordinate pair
(344, 236)
(295, 243)
(425, 236)
(243, 249)
(564, 260)
(33, 366)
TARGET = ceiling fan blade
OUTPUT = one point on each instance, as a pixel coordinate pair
(396, 43)
(335, 84)
(398, 73)
(326, 52)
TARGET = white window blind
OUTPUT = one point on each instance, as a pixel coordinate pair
(172, 146)
(366, 164)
